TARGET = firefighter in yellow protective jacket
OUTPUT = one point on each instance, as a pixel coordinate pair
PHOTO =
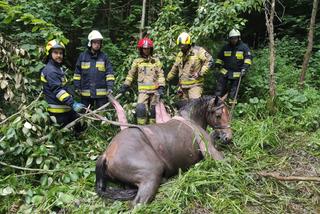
(151, 81)
(191, 63)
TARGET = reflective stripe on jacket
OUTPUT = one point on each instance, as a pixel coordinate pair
(54, 88)
(232, 60)
(93, 75)
(150, 74)
(196, 61)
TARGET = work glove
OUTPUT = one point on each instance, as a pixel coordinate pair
(179, 92)
(78, 92)
(77, 107)
(161, 91)
(196, 75)
(109, 91)
(124, 88)
(243, 72)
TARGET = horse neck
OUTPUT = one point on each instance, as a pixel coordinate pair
(198, 116)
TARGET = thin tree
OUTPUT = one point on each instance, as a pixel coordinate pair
(307, 55)
(143, 17)
(269, 9)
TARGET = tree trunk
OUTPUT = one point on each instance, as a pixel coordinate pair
(143, 16)
(307, 55)
(269, 14)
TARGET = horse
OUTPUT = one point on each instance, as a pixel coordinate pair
(142, 156)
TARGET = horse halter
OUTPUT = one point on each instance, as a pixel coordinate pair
(215, 109)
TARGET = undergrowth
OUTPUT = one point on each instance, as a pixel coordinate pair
(286, 142)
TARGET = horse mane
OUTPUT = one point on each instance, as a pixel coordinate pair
(197, 106)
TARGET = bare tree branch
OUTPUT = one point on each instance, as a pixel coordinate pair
(143, 16)
(23, 108)
(27, 169)
(277, 176)
(91, 112)
(269, 15)
(308, 53)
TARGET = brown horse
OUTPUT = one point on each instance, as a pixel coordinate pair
(141, 156)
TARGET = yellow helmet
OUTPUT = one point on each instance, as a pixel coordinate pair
(54, 44)
(184, 39)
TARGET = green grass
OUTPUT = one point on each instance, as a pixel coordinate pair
(286, 142)
(228, 186)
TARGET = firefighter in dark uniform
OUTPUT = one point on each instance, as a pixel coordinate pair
(61, 104)
(93, 77)
(233, 61)
(151, 81)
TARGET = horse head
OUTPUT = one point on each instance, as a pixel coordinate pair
(218, 118)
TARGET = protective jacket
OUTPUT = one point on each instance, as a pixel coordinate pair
(196, 61)
(150, 74)
(93, 75)
(54, 88)
(232, 59)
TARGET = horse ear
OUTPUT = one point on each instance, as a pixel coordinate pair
(224, 97)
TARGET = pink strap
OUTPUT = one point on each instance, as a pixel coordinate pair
(212, 151)
(120, 113)
(162, 115)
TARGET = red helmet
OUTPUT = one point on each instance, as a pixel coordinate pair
(145, 43)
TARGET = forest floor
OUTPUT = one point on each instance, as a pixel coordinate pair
(240, 189)
(229, 186)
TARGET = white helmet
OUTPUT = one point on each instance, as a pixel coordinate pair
(234, 33)
(94, 35)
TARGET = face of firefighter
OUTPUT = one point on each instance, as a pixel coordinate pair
(234, 40)
(146, 51)
(96, 45)
(184, 48)
(57, 55)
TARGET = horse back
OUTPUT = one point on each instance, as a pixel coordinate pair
(175, 142)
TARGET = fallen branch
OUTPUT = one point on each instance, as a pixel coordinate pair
(26, 169)
(21, 175)
(4, 137)
(277, 176)
(22, 109)
(91, 112)
(102, 118)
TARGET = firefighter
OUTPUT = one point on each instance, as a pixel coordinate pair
(191, 64)
(61, 104)
(93, 77)
(233, 61)
(151, 82)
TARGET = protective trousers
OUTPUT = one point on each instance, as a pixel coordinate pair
(146, 101)
(193, 92)
(65, 118)
(222, 86)
(95, 103)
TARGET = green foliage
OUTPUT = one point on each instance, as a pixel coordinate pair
(17, 79)
(171, 22)
(215, 18)
(45, 169)
(23, 144)
(212, 20)
(313, 75)
(257, 135)
(17, 16)
(22, 63)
